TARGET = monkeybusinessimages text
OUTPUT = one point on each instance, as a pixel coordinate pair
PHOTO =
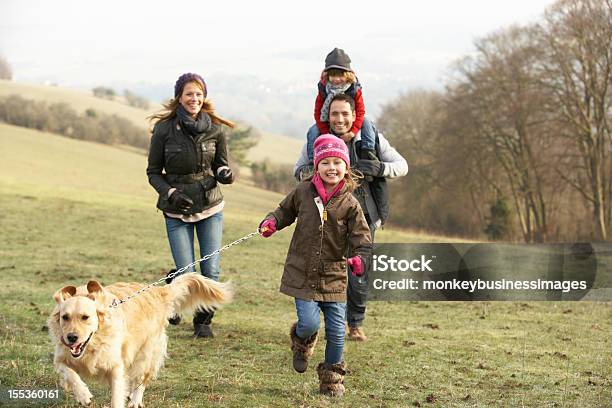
(385, 263)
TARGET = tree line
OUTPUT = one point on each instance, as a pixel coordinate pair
(518, 145)
(62, 119)
(6, 71)
(131, 98)
(91, 125)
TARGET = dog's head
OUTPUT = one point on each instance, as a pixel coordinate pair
(78, 314)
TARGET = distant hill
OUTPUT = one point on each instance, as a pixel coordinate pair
(79, 100)
(278, 148)
(42, 165)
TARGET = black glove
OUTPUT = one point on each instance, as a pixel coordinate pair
(225, 176)
(374, 168)
(180, 200)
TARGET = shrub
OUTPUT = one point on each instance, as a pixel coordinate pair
(275, 177)
(62, 119)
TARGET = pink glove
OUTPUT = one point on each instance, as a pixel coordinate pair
(356, 265)
(267, 227)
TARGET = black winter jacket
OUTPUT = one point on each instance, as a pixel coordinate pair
(176, 159)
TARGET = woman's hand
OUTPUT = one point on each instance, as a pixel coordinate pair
(267, 227)
(180, 200)
(225, 176)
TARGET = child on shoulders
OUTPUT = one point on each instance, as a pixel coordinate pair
(338, 77)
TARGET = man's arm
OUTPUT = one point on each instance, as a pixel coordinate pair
(302, 164)
(395, 164)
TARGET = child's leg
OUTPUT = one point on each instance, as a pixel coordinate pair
(332, 371)
(304, 332)
(308, 318)
(311, 135)
(334, 313)
(368, 140)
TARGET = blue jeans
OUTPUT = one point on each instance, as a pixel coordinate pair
(308, 314)
(357, 294)
(180, 236)
(368, 137)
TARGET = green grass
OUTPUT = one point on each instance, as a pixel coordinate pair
(277, 149)
(71, 211)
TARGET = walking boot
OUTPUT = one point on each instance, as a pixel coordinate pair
(302, 349)
(356, 334)
(331, 378)
(203, 331)
(202, 324)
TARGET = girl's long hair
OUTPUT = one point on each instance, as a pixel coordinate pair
(352, 179)
(170, 108)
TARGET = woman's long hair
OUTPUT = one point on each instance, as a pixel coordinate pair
(170, 108)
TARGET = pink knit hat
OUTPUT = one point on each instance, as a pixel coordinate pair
(330, 146)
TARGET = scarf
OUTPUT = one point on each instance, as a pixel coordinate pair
(193, 126)
(320, 187)
(332, 91)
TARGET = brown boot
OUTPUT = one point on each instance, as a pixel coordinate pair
(357, 334)
(302, 349)
(331, 379)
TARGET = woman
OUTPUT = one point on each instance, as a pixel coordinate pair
(187, 158)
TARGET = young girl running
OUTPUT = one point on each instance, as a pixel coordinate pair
(330, 225)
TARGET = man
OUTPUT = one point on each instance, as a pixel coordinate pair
(372, 193)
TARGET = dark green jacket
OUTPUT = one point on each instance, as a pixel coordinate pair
(176, 159)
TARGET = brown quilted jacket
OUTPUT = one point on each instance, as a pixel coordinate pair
(315, 268)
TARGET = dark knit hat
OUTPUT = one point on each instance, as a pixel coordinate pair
(338, 59)
(188, 77)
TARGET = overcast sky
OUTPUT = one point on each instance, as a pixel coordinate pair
(83, 43)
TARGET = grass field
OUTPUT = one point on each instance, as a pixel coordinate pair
(71, 211)
(279, 149)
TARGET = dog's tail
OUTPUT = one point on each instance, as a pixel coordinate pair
(192, 291)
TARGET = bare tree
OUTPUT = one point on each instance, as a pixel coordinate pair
(440, 192)
(5, 69)
(527, 121)
(577, 69)
(506, 106)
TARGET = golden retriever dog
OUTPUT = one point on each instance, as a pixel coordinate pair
(122, 346)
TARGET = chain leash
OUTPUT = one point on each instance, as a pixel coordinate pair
(116, 302)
